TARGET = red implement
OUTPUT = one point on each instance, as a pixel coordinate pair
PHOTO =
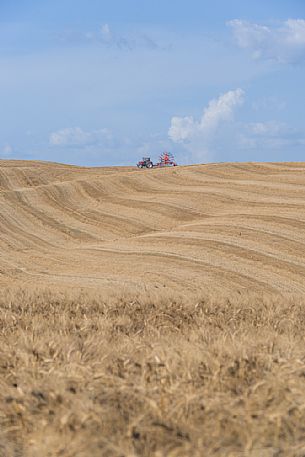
(166, 160)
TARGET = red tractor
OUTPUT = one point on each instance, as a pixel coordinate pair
(145, 163)
(166, 160)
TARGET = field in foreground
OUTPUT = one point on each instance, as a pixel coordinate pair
(151, 375)
(152, 313)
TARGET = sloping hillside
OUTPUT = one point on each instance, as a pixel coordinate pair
(228, 226)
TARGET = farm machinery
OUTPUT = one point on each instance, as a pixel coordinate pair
(166, 159)
(145, 163)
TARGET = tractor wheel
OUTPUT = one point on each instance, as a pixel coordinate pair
(149, 165)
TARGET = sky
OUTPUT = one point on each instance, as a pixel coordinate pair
(96, 82)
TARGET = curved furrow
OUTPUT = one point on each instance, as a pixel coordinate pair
(264, 236)
(14, 236)
(258, 258)
(96, 222)
(138, 208)
(253, 240)
(226, 225)
(217, 267)
(35, 219)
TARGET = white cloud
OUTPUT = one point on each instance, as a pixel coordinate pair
(129, 42)
(284, 43)
(105, 30)
(70, 137)
(7, 150)
(218, 111)
(269, 135)
(110, 38)
(270, 128)
(269, 103)
(182, 128)
(75, 136)
(198, 138)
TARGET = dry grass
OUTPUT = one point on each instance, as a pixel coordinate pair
(153, 369)
(84, 374)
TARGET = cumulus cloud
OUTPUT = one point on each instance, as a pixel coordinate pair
(218, 110)
(77, 137)
(284, 43)
(197, 137)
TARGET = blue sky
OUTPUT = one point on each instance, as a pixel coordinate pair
(103, 83)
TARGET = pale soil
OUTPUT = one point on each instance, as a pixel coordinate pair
(152, 312)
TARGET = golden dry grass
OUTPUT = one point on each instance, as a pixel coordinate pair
(152, 313)
(88, 375)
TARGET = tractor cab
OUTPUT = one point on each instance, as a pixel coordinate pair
(145, 163)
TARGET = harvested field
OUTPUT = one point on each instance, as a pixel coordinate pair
(152, 313)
